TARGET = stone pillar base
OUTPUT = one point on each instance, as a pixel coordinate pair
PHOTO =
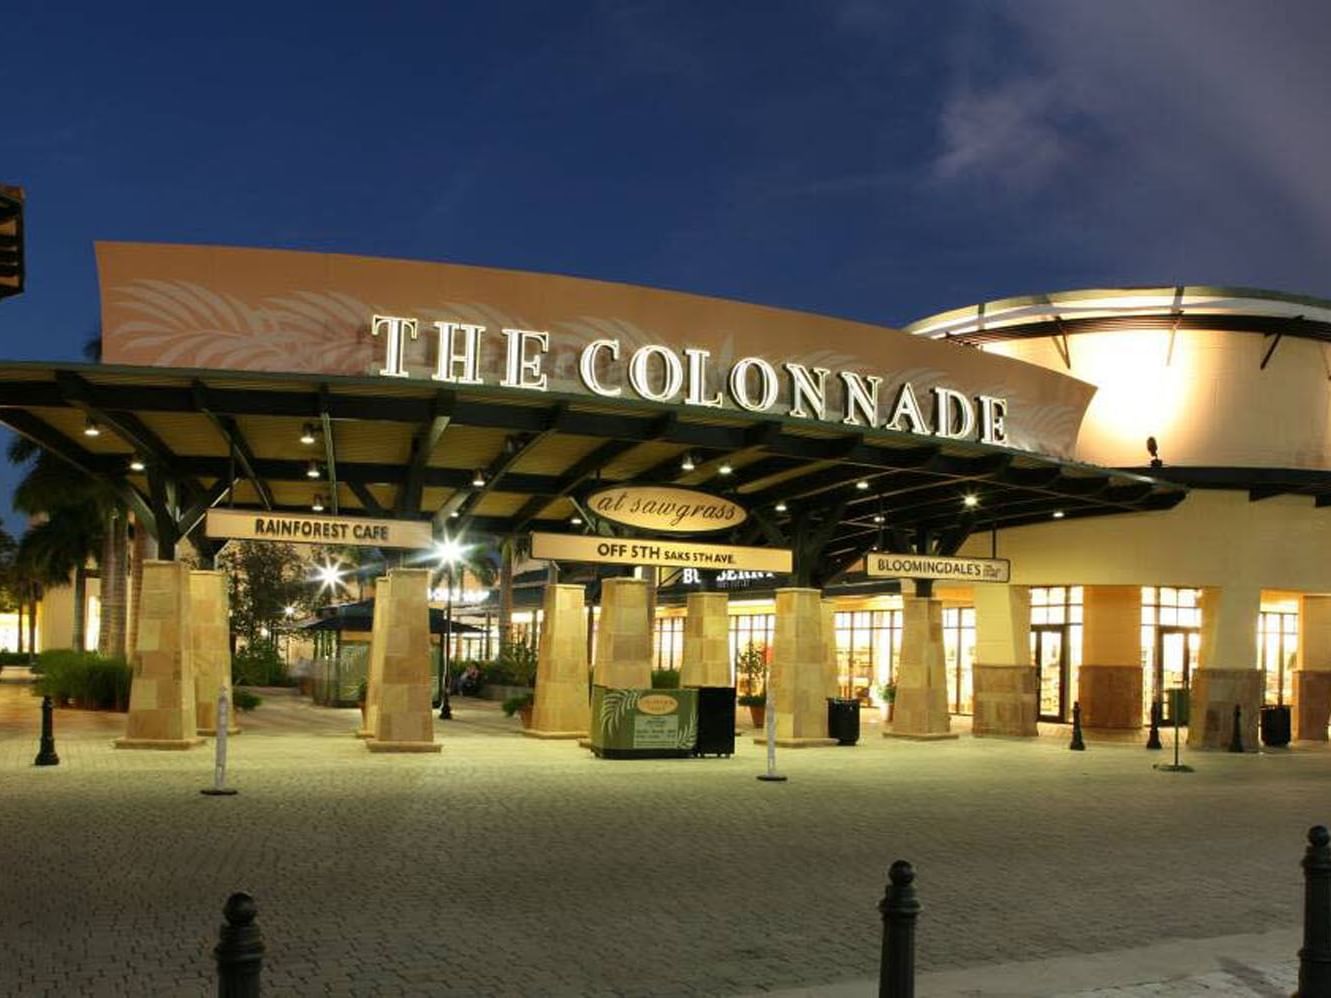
(375, 745)
(1311, 708)
(554, 735)
(364, 733)
(168, 744)
(912, 736)
(797, 742)
(1007, 700)
(1110, 696)
(210, 732)
(1211, 708)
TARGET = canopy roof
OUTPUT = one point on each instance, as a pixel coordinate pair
(409, 449)
(359, 616)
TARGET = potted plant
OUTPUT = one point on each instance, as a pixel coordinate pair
(887, 693)
(520, 705)
(751, 664)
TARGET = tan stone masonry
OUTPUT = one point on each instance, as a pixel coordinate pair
(161, 701)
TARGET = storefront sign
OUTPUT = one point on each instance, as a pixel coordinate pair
(296, 528)
(671, 554)
(666, 509)
(924, 566)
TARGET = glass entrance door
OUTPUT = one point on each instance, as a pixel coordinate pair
(1174, 648)
(1051, 659)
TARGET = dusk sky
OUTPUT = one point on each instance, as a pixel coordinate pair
(879, 161)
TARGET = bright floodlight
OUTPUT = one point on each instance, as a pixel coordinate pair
(329, 574)
(449, 551)
(970, 501)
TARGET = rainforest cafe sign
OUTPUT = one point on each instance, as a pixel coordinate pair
(606, 368)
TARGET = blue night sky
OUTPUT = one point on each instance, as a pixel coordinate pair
(875, 160)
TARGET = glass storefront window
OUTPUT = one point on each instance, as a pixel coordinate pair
(1171, 637)
(868, 646)
(959, 656)
(669, 642)
(1277, 652)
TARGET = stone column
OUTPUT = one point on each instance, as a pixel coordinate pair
(798, 676)
(623, 642)
(1227, 672)
(374, 676)
(831, 686)
(921, 705)
(210, 630)
(706, 657)
(561, 708)
(161, 700)
(1111, 679)
(404, 721)
(1311, 705)
(1007, 685)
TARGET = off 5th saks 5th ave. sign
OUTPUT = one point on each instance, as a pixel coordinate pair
(688, 376)
(299, 529)
(664, 553)
(924, 566)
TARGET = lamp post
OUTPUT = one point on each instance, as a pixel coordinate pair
(449, 552)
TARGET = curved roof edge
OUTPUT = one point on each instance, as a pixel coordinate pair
(1104, 309)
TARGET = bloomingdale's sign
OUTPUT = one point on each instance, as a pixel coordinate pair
(690, 377)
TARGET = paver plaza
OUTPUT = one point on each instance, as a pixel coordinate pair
(506, 865)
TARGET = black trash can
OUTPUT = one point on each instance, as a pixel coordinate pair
(1275, 726)
(843, 720)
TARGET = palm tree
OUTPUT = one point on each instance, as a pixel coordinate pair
(83, 519)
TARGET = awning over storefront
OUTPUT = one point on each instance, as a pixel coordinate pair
(359, 616)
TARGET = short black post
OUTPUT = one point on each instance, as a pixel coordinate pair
(900, 906)
(1315, 955)
(46, 753)
(1153, 739)
(1236, 739)
(239, 950)
(1078, 744)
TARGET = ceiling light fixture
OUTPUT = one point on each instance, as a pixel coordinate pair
(307, 433)
(575, 520)
(879, 518)
(318, 504)
(136, 463)
(780, 507)
(688, 463)
(1058, 514)
(91, 429)
(970, 501)
(312, 471)
(725, 468)
(862, 485)
(478, 479)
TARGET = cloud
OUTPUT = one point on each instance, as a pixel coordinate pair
(1187, 133)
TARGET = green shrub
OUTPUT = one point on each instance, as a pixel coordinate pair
(245, 700)
(665, 679)
(514, 704)
(84, 679)
(518, 661)
(751, 700)
(259, 664)
(13, 658)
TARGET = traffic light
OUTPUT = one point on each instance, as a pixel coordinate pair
(11, 240)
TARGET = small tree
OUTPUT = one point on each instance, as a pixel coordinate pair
(265, 579)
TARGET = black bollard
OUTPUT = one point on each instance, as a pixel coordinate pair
(1236, 739)
(1153, 739)
(46, 753)
(1315, 955)
(1078, 745)
(239, 950)
(900, 906)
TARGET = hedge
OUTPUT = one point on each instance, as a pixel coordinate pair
(84, 679)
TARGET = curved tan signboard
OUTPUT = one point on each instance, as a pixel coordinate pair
(666, 509)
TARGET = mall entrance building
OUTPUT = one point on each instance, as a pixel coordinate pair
(1095, 497)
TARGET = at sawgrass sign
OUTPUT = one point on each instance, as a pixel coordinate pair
(507, 332)
(926, 566)
(662, 553)
(296, 528)
(662, 509)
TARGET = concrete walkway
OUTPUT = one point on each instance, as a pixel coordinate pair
(510, 866)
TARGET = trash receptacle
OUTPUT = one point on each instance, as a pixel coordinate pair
(843, 720)
(1275, 725)
(1176, 706)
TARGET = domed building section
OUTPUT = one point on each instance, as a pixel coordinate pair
(1226, 391)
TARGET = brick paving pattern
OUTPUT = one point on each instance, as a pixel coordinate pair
(511, 866)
